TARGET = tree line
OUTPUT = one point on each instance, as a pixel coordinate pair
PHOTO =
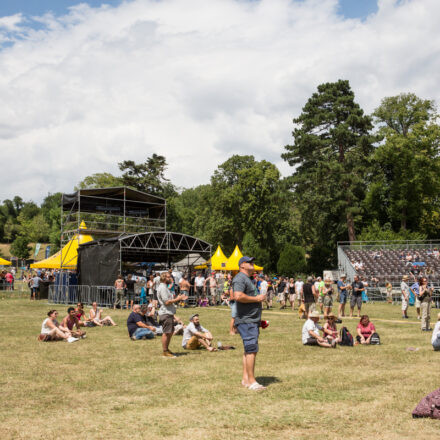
(354, 177)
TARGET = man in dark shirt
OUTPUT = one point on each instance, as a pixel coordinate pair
(248, 319)
(130, 291)
(356, 295)
(308, 297)
(137, 326)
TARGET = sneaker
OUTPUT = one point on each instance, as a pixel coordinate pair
(84, 336)
(133, 338)
(72, 339)
(168, 354)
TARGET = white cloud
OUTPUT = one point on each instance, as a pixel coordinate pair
(194, 80)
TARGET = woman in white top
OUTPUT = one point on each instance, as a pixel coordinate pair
(50, 329)
(95, 316)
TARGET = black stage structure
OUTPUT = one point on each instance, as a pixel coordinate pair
(100, 262)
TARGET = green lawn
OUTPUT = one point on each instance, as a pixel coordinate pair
(109, 387)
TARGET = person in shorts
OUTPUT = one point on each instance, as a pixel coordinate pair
(415, 289)
(129, 299)
(196, 336)
(248, 319)
(120, 291)
(356, 296)
(343, 295)
(328, 297)
(167, 311)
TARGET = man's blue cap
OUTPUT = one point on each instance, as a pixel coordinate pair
(245, 260)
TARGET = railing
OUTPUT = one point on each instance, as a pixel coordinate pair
(345, 265)
(390, 244)
(103, 295)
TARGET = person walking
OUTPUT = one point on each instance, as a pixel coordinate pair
(248, 318)
(309, 298)
(405, 296)
(167, 311)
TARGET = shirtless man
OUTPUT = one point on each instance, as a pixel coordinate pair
(184, 286)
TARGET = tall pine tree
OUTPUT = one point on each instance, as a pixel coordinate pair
(330, 156)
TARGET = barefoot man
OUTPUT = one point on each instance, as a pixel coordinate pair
(248, 319)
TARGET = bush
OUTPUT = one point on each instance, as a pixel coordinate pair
(292, 260)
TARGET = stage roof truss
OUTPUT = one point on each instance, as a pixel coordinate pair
(164, 242)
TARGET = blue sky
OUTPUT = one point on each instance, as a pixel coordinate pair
(348, 8)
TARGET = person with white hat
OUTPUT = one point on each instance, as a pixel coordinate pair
(405, 296)
(310, 332)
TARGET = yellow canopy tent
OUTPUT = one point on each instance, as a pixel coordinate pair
(233, 260)
(217, 261)
(4, 262)
(66, 258)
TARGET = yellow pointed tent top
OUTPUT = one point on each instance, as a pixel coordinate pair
(4, 262)
(218, 260)
(233, 260)
(67, 258)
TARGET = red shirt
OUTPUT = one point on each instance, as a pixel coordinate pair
(368, 330)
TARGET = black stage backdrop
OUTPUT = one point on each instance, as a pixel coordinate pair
(98, 264)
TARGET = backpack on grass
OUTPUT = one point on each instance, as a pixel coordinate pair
(429, 406)
(375, 339)
(346, 338)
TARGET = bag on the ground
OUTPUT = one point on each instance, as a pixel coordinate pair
(346, 338)
(429, 406)
(375, 339)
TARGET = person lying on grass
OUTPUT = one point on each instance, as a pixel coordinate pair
(365, 330)
(51, 331)
(330, 329)
(310, 332)
(195, 336)
(95, 316)
(71, 321)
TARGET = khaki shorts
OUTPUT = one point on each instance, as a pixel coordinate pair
(328, 301)
(193, 343)
(417, 303)
(167, 323)
(320, 299)
(292, 297)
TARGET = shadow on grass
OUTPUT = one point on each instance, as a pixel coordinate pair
(180, 354)
(267, 380)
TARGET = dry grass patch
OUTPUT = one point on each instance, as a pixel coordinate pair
(107, 386)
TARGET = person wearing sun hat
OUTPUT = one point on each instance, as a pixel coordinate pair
(248, 318)
(310, 332)
(405, 296)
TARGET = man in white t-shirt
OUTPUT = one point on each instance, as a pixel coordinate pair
(195, 336)
(310, 332)
(263, 285)
(156, 283)
(299, 283)
(199, 283)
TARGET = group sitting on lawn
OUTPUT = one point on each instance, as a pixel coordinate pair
(52, 330)
(365, 331)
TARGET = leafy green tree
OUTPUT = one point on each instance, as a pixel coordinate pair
(253, 248)
(405, 187)
(10, 230)
(20, 247)
(331, 151)
(148, 176)
(292, 260)
(34, 230)
(376, 232)
(99, 180)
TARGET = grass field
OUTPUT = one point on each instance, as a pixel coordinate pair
(109, 387)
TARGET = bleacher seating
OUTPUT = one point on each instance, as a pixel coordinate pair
(391, 264)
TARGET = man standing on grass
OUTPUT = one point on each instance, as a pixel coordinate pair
(248, 318)
(167, 311)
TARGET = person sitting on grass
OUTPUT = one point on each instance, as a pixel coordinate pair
(51, 331)
(81, 315)
(310, 332)
(365, 330)
(137, 326)
(330, 329)
(71, 321)
(435, 340)
(195, 336)
(95, 315)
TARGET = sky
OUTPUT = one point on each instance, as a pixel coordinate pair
(84, 86)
